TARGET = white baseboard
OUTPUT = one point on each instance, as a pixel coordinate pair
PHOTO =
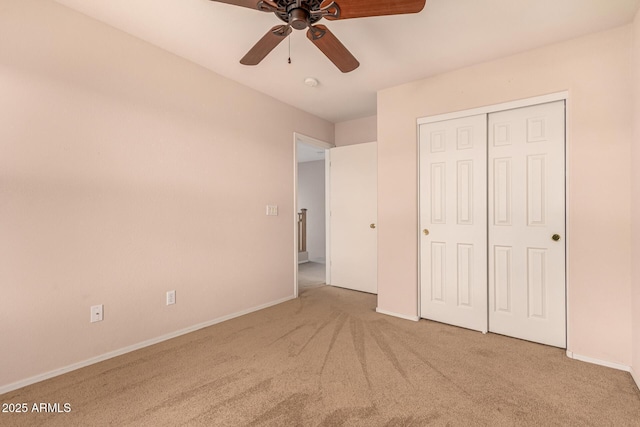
(587, 359)
(45, 376)
(402, 316)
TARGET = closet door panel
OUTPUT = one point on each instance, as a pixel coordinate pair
(526, 233)
(453, 241)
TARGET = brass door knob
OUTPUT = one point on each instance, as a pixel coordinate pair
(426, 232)
(372, 225)
(555, 237)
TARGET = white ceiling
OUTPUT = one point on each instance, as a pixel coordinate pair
(392, 50)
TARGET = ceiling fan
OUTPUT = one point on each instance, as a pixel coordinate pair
(301, 14)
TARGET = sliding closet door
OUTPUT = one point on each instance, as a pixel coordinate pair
(527, 223)
(453, 222)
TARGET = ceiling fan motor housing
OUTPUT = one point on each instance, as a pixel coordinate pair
(298, 13)
(299, 18)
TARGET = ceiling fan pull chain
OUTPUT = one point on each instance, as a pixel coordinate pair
(289, 60)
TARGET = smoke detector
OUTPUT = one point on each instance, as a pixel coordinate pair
(311, 81)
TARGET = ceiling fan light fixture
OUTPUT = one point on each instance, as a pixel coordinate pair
(311, 81)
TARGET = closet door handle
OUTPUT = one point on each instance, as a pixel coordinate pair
(555, 237)
(426, 232)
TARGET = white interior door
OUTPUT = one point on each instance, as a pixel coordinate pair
(353, 212)
(527, 223)
(453, 218)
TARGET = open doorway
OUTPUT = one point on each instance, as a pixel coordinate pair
(311, 227)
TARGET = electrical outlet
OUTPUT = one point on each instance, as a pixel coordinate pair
(171, 297)
(96, 313)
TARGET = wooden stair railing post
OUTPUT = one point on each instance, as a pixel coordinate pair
(302, 230)
(299, 231)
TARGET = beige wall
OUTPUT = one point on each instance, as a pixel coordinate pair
(635, 197)
(127, 172)
(356, 131)
(596, 71)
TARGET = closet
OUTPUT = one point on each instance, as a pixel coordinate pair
(492, 222)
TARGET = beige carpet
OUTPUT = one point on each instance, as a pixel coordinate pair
(327, 359)
(311, 274)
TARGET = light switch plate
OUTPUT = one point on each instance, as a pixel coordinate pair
(272, 210)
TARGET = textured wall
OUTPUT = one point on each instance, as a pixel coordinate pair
(357, 131)
(126, 172)
(635, 198)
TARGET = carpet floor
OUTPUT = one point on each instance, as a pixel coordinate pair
(311, 273)
(328, 359)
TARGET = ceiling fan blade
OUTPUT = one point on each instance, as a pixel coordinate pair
(332, 48)
(251, 4)
(266, 44)
(363, 8)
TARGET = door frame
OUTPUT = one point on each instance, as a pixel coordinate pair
(308, 140)
(510, 105)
